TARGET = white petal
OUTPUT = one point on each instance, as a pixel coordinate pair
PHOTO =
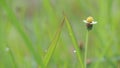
(94, 22)
(85, 21)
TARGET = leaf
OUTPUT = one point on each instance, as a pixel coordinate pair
(53, 44)
(74, 41)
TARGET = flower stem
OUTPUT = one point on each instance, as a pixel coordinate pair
(86, 44)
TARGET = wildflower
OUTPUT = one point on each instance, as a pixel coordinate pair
(89, 22)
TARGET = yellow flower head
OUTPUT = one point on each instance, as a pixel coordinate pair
(89, 19)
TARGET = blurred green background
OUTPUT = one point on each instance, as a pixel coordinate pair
(28, 27)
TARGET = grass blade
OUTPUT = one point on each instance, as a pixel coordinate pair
(72, 36)
(53, 45)
(13, 58)
(17, 25)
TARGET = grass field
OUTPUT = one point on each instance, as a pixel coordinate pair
(52, 34)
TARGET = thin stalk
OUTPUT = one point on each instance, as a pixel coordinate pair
(86, 45)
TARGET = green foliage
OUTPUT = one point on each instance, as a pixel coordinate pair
(31, 35)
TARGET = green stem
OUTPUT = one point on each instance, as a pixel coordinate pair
(86, 44)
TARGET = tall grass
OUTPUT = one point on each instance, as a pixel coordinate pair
(36, 39)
